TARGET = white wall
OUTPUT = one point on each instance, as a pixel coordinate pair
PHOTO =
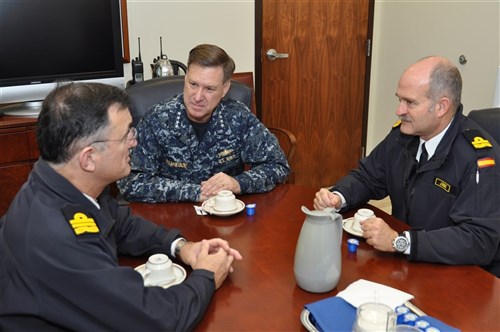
(184, 24)
(405, 31)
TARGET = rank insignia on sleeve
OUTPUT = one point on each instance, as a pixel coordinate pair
(81, 222)
(485, 162)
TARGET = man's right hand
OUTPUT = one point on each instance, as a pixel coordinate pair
(213, 255)
(325, 198)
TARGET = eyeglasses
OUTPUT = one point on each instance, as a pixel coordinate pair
(131, 135)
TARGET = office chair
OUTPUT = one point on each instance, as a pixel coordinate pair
(489, 120)
(288, 143)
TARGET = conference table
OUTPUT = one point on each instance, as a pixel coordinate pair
(262, 295)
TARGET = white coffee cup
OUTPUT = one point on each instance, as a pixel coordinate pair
(360, 216)
(158, 270)
(225, 201)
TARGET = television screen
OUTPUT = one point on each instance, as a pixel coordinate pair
(43, 42)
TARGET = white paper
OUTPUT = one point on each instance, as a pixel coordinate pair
(199, 210)
(362, 291)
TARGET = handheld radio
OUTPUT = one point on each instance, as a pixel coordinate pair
(137, 67)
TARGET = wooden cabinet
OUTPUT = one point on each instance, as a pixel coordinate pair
(18, 152)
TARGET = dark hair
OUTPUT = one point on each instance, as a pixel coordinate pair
(445, 80)
(74, 115)
(207, 55)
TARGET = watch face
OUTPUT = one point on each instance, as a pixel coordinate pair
(400, 243)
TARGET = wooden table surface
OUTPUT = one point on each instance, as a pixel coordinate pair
(262, 295)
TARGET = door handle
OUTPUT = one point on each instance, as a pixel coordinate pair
(273, 55)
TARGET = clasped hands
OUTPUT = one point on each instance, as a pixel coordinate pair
(218, 182)
(376, 231)
(214, 255)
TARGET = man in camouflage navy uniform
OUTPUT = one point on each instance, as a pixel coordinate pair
(450, 197)
(197, 143)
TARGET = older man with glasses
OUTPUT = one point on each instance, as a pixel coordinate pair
(61, 237)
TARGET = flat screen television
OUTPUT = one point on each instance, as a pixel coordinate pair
(43, 42)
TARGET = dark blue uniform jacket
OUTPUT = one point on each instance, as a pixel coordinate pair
(452, 203)
(59, 267)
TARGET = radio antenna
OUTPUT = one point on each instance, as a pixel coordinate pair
(161, 50)
(140, 58)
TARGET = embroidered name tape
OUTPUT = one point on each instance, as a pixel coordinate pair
(442, 184)
(175, 164)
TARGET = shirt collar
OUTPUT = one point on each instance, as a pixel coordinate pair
(93, 200)
(432, 144)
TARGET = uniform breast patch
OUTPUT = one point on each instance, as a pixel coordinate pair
(440, 183)
(226, 156)
(176, 164)
(81, 223)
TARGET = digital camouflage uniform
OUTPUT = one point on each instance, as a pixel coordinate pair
(169, 163)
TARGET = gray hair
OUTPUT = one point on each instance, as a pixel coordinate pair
(445, 81)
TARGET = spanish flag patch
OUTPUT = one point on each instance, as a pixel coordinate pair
(485, 162)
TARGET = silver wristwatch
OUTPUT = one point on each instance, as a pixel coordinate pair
(400, 243)
(178, 247)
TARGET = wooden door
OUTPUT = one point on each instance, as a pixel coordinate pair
(319, 91)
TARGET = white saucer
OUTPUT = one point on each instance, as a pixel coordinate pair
(180, 275)
(208, 206)
(347, 226)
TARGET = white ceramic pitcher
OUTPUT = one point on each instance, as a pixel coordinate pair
(317, 264)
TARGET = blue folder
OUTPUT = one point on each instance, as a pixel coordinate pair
(335, 314)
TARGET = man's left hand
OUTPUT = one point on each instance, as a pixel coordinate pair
(218, 182)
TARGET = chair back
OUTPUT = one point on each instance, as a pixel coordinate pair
(145, 94)
(247, 79)
(489, 120)
(288, 143)
(286, 138)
